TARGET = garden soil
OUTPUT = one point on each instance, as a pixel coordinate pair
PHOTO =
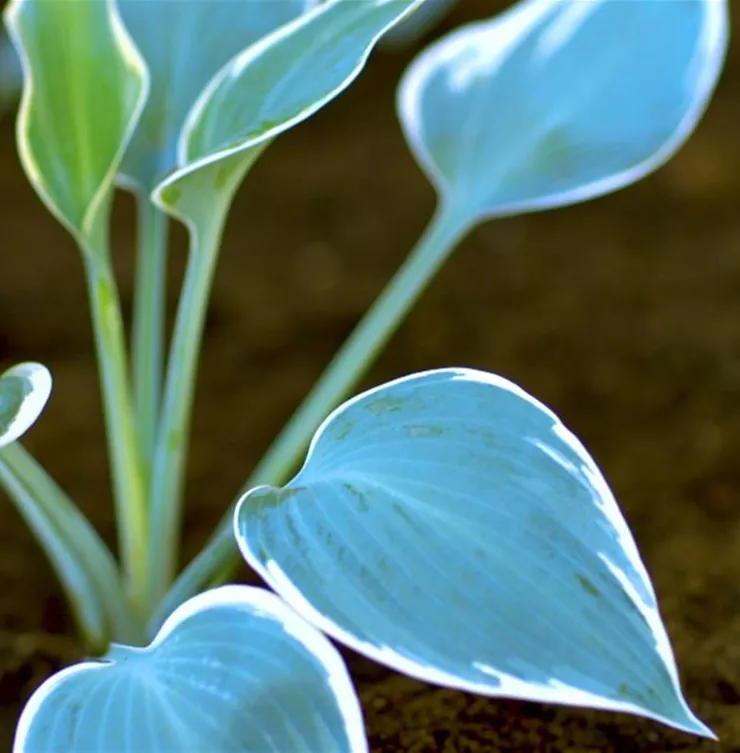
(622, 314)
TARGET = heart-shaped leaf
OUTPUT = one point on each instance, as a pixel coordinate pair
(184, 45)
(233, 669)
(558, 101)
(80, 104)
(449, 526)
(24, 392)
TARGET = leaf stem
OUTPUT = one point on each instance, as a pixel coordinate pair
(149, 323)
(218, 559)
(168, 469)
(128, 484)
(86, 569)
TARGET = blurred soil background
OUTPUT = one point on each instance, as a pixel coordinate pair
(622, 314)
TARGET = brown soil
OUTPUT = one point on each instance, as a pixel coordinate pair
(622, 314)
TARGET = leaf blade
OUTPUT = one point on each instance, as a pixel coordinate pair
(552, 103)
(24, 391)
(201, 38)
(470, 541)
(284, 78)
(193, 689)
(69, 144)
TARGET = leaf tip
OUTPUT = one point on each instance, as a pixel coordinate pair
(24, 391)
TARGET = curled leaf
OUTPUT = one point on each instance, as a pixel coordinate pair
(80, 103)
(24, 392)
(272, 86)
(184, 45)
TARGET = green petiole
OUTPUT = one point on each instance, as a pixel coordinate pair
(168, 468)
(147, 349)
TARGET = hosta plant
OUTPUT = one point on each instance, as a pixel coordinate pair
(446, 524)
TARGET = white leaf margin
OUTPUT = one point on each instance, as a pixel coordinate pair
(40, 381)
(233, 68)
(130, 54)
(254, 602)
(713, 44)
(510, 687)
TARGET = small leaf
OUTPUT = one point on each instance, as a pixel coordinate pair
(233, 669)
(184, 45)
(559, 101)
(24, 392)
(84, 87)
(288, 76)
(449, 526)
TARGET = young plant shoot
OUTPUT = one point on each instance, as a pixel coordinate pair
(454, 477)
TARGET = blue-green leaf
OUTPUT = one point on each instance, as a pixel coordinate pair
(233, 669)
(184, 45)
(558, 101)
(449, 526)
(84, 87)
(270, 87)
(24, 392)
(288, 76)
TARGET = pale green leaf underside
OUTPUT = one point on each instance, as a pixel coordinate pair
(233, 669)
(184, 45)
(449, 526)
(84, 86)
(24, 392)
(558, 101)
